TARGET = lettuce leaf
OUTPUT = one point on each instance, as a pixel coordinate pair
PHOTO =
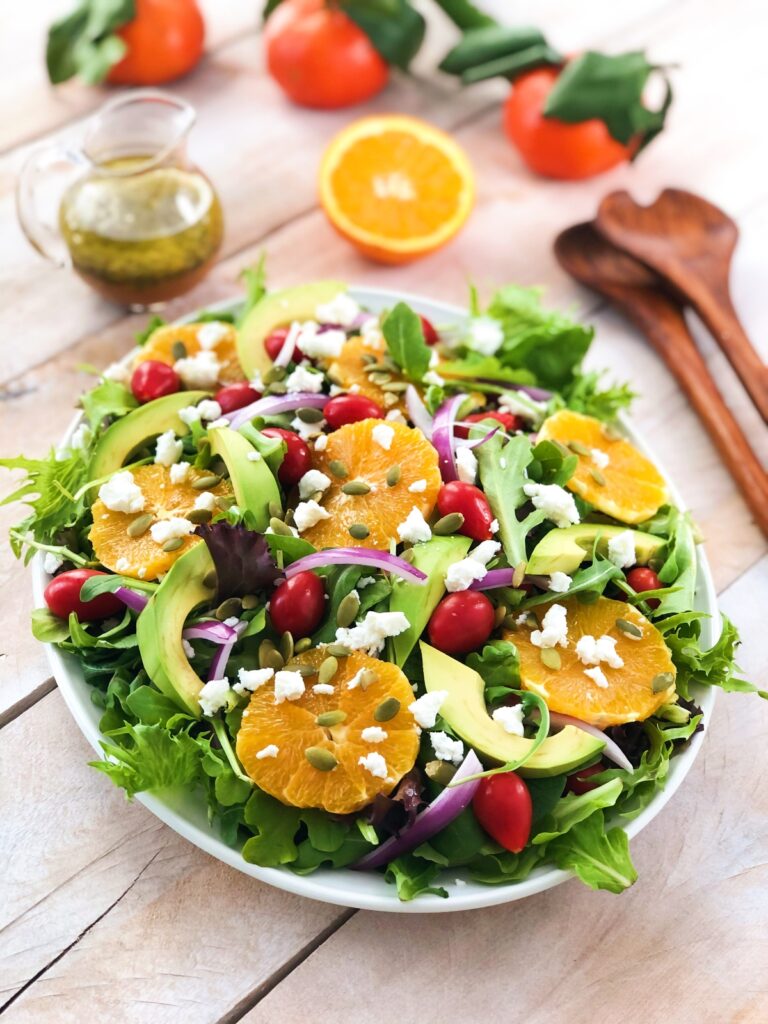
(600, 859)
(414, 876)
(679, 567)
(109, 398)
(404, 336)
(715, 666)
(149, 757)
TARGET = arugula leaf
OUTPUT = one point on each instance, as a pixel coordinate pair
(552, 463)
(590, 581)
(109, 398)
(502, 465)
(49, 628)
(148, 757)
(395, 27)
(413, 877)
(404, 336)
(85, 43)
(600, 859)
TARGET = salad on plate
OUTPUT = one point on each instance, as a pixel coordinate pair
(390, 595)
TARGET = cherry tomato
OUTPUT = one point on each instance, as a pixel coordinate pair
(236, 396)
(461, 622)
(164, 40)
(351, 409)
(153, 379)
(641, 578)
(274, 342)
(579, 783)
(298, 604)
(551, 147)
(430, 334)
(297, 456)
(470, 501)
(62, 595)
(320, 58)
(508, 421)
(502, 805)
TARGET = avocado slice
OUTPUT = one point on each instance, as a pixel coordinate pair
(417, 601)
(253, 483)
(160, 624)
(276, 310)
(129, 433)
(565, 549)
(465, 711)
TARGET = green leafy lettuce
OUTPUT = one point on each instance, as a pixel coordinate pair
(404, 336)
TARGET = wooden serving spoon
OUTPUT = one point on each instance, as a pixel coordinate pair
(587, 256)
(689, 242)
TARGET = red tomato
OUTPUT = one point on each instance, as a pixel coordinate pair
(236, 396)
(351, 409)
(579, 783)
(470, 501)
(274, 342)
(298, 604)
(320, 58)
(153, 379)
(62, 595)
(164, 40)
(508, 421)
(551, 147)
(461, 622)
(641, 579)
(502, 805)
(297, 456)
(430, 334)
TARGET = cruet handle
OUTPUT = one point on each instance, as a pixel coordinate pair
(45, 176)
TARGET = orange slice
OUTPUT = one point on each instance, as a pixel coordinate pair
(142, 557)
(292, 727)
(354, 448)
(629, 488)
(629, 695)
(396, 187)
(348, 370)
(160, 345)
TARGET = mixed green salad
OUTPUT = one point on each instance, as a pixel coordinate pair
(390, 595)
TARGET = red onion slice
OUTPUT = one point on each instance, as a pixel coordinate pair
(494, 578)
(132, 598)
(218, 667)
(466, 443)
(285, 355)
(358, 556)
(274, 404)
(611, 750)
(417, 411)
(443, 439)
(211, 629)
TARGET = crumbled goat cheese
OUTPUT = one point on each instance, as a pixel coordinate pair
(321, 443)
(209, 335)
(189, 414)
(120, 372)
(510, 719)
(600, 458)
(122, 565)
(447, 749)
(312, 481)
(426, 709)
(621, 549)
(354, 682)
(418, 486)
(375, 764)
(395, 416)
(121, 493)
(466, 465)
(188, 649)
(366, 581)
(168, 449)
(250, 679)
(591, 651)
(307, 514)
(288, 686)
(521, 405)
(342, 310)
(414, 528)
(303, 379)
(271, 750)
(214, 696)
(383, 436)
(198, 371)
(317, 344)
(554, 628)
(370, 634)
(179, 472)
(461, 574)
(222, 421)
(232, 621)
(555, 502)
(205, 502)
(494, 527)
(52, 562)
(432, 377)
(485, 335)
(209, 409)
(307, 431)
(597, 676)
(559, 582)
(170, 529)
(373, 734)
(253, 457)
(323, 688)
(81, 437)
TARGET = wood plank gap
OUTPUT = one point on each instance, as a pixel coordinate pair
(27, 701)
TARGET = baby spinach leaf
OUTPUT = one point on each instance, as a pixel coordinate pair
(404, 336)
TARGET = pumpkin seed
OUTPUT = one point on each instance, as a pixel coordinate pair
(302, 645)
(519, 574)
(359, 531)
(448, 524)
(330, 718)
(269, 656)
(210, 580)
(309, 415)
(173, 544)
(662, 681)
(510, 622)
(339, 650)
(550, 657)
(178, 350)
(610, 432)
(356, 487)
(274, 374)
(321, 759)
(303, 670)
(278, 388)
(377, 377)
(250, 601)
(327, 670)
(338, 468)
(286, 646)
(288, 517)
(389, 399)
(396, 387)
(204, 482)
(275, 510)
(629, 627)
(393, 476)
(232, 606)
(440, 771)
(499, 615)
(140, 525)
(348, 609)
(597, 476)
(199, 515)
(387, 710)
(279, 527)
(367, 359)
(579, 449)
(368, 677)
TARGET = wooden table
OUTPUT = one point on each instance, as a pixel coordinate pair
(108, 915)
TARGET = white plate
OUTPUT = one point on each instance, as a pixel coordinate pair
(186, 813)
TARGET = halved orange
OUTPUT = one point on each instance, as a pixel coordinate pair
(631, 694)
(354, 451)
(160, 346)
(348, 370)
(396, 187)
(293, 728)
(141, 557)
(628, 488)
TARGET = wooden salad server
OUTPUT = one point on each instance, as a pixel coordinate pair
(593, 261)
(689, 242)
